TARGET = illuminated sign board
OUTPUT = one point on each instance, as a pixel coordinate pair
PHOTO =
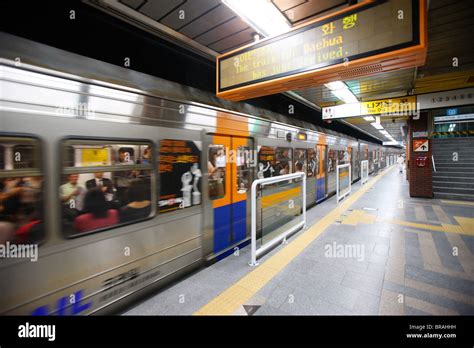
(390, 34)
(405, 106)
(302, 136)
(390, 107)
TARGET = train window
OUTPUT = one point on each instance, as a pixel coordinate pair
(283, 163)
(21, 191)
(23, 156)
(243, 169)
(332, 160)
(312, 168)
(344, 157)
(300, 160)
(217, 169)
(266, 162)
(180, 174)
(104, 185)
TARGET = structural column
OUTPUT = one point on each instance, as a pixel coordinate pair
(419, 162)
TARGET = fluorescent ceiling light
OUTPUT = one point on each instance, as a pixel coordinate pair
(340, 90)
(262, 15)
(369, 118)
(336, 85)
(376, 125)
(345, 95)
(384, 132)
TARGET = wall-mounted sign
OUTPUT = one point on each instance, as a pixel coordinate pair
(361, 40)
(394, 106)
(454, 118)
(404, 106)
(445, 99)
(421, 145)
(420, 134)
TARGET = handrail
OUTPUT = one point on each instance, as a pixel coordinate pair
(433, 161)
(255, 253)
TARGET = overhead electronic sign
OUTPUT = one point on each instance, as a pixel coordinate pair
(404, 106)
(361, 40)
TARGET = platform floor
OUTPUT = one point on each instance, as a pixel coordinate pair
(377, 252)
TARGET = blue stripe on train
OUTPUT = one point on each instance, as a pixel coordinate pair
(222, 216)
(239, 215)
(234, 215)
(320, 189)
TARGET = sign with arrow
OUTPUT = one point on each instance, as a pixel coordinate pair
(420, 145)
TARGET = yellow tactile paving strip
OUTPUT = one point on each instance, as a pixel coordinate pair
(229, 301)
(466, 225)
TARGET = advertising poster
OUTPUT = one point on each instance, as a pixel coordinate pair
(180, 174)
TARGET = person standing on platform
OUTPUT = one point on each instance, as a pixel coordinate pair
(400, 162)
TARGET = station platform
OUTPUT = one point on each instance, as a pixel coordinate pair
(377, 252)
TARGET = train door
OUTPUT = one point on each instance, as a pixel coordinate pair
(321, 182)
(356, 163)
(230, 163)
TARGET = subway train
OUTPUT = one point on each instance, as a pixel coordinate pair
(114, 183)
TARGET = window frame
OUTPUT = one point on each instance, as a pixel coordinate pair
(82, 140)
(41, 170)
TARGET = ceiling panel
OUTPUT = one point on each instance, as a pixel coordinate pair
(159, 9)
(284, 5)
(301, 11)
(192, 11)
(207, 22)
(133, 3)
(224, 30)
(239, 39)
(392, 126)
(213, 24)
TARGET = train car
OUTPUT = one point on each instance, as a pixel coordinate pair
(126, 182)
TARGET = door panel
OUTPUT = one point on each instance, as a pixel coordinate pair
(321, 172)
(230, 177)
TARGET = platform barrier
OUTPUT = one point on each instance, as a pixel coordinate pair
(281, 205)
(343, 183)
(364, 171)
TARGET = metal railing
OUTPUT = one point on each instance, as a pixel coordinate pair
(281, 237)
(433, 161)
